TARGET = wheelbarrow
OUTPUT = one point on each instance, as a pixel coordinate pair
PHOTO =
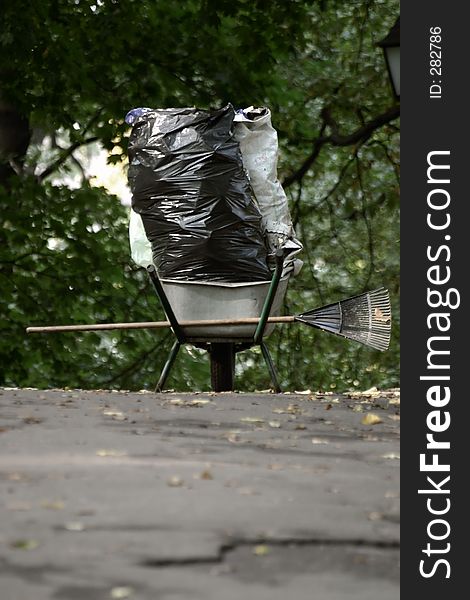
(185, 301)
(224, 319)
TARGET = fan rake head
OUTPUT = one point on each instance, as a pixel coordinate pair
(365, 318)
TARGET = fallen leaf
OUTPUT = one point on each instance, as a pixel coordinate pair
(379, 315)
(110, 452)
(304, 392)
(316, 440)
(16, 477)
(116, 415)
(371, 419)
(32, 420)
(301, 426)
(261, 550)
(251, 420)
(375, 516)
(121, 592)
(394, 417)
(195, 403)
(206, 475)
(176, 401)
(275, 424)
(25, 544)
(391, 456)
(113, 413)
(358, 408)
(279, 411)
(175, 481)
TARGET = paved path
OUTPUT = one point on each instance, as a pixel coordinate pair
(198, 496)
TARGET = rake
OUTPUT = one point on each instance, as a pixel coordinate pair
(365, 318)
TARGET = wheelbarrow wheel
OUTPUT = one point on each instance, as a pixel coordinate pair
(222, 357)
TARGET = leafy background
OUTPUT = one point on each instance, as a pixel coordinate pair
(70, 70)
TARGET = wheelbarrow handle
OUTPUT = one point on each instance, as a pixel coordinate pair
(257, 338)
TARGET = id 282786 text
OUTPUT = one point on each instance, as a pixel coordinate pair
(435, 62)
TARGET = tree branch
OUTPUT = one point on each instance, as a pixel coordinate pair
(64, 156)
(342, 173)
(370, 239)
(335, 138)
(317, 146)
(364, 133)
(395, 166)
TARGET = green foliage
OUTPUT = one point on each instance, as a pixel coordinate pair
(77, 67)
(63, 265)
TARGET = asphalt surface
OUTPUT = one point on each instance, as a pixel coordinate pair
(198, 496)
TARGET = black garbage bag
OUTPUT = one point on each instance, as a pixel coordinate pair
(188, 184)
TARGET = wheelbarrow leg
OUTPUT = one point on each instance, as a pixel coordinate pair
(271, 368)
(180, 337)
(167, 368)
(166, 304)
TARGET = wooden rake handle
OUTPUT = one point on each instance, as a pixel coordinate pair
(153, 325)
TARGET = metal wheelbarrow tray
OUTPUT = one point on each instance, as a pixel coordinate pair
(211, 300)
(185, 301)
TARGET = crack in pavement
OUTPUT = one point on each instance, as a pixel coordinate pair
(225, 549)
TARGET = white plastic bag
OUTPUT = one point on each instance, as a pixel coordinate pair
(141, 250)
(259, 147)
